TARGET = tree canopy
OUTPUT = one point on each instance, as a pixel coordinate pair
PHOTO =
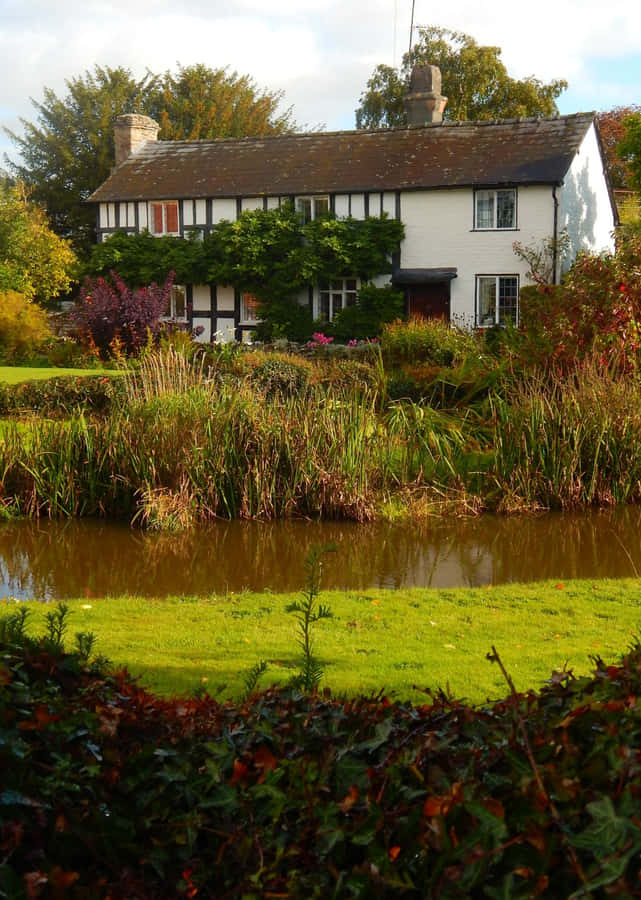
(34, 261)
(613, 130)
(474, 79)
(629, 148)
(69, 150)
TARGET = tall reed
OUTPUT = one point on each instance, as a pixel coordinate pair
(564, 442)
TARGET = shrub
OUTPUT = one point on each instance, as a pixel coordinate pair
(426, 340)
(282, 375)
(373, 308)
(596, 311)
(62, 395)
(107, 790)
(24, 328)
(108, 313)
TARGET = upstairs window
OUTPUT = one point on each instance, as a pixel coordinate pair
(497, 300)
(309, 208)
(177, 306)
(334, 296)
(164, 217)
(495, 209)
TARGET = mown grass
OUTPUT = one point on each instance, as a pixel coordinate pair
(391, 640)
(18, 374)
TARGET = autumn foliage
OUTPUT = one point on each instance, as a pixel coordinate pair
(594, 313)
(109, 791)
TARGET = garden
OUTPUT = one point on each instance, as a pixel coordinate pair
(346, 744)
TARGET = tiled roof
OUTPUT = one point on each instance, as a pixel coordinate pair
(510, 151)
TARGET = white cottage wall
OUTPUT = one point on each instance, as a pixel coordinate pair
(439, 233)
(585, 208)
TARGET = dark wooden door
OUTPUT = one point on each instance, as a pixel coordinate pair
(430, 301)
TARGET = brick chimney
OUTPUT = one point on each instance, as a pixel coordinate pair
(424, 102)
(130, 131)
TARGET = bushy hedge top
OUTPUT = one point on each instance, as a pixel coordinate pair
(109, 791)
(62, 394)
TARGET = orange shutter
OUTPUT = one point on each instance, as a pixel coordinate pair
(172, 217)
(156, 214)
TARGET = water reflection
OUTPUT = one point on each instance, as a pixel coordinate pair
(92, 558)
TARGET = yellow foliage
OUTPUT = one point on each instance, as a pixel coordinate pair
(24, 327)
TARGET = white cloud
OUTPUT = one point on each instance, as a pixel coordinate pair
(320, 52)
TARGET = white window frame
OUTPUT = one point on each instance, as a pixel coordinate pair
(312, 207)
(177, 301)
(248, 315)
(327, 293)
(494, 195)
(152, 219)
(497, 316)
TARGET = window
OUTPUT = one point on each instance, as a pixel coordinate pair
(495, 209)
(497, 300)
(177, 306)
(309, 208)
(248, 307)
(334, 296)
(164, 217)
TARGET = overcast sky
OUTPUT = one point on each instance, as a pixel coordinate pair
(320, 53)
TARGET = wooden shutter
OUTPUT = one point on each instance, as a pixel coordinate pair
(171, 210)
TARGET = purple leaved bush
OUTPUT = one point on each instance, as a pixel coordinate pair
(109, 310)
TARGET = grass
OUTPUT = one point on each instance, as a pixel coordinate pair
(376, 639)
(18, 374)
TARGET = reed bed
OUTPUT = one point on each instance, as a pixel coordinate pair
(567, 442)
(186, 447)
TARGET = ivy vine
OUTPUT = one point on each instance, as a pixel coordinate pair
(270, 253)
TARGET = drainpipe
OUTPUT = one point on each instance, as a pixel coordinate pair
(555, 235)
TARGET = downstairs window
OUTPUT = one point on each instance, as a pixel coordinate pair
(497, 300)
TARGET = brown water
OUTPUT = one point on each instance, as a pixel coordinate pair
(55, 560)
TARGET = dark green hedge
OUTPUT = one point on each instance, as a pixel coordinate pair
(62, 394)
(109, 791)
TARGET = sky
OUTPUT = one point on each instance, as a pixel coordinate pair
(318, 53)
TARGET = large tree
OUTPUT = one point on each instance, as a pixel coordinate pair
(629, 149)
(475, 81)
(34, 261)
(613, 131)
(69, 151)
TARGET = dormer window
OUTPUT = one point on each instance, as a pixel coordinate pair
(164, 217)
(309, 208)
(495, 209)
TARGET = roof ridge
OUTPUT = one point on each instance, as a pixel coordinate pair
(458, 123)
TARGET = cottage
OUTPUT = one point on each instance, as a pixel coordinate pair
(465, 192)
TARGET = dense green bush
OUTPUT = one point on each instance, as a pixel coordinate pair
(62, 395)
(374, 307)
(282, 376)
(427, 341)
(109, 791)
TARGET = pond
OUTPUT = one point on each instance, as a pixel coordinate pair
(86, 558)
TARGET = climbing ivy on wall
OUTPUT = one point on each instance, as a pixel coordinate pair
(268, 252)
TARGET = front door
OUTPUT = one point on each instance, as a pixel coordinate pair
(430, 300)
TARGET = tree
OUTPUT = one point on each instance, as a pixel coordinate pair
(34, 261)
(613, 130)
(199, 102)
(69, 151)
(630, 149)
(474, 79)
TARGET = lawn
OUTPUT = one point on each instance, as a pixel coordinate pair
(18, 374)
(389, 640)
